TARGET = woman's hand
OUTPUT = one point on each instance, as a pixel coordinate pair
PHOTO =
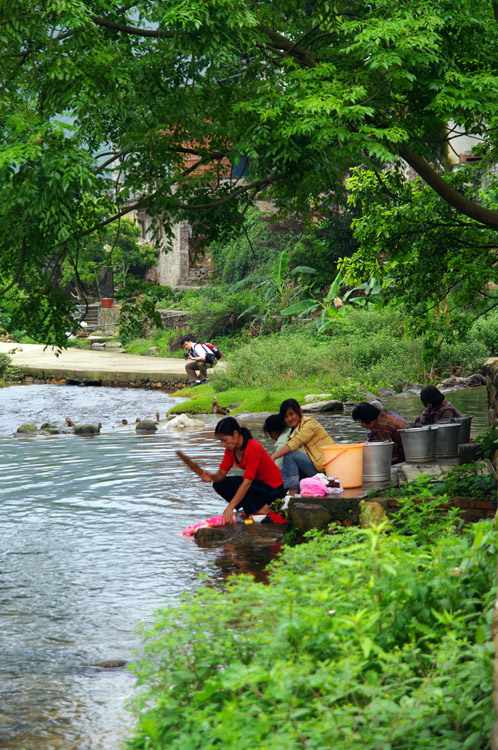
(228, 514)
(207, 477)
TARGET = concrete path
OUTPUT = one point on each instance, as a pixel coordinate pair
(102, 366)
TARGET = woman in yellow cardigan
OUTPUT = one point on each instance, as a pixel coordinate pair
(305, 433)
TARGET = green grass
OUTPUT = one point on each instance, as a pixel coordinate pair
(249, 399)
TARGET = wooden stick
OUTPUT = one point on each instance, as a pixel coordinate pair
(191, 464)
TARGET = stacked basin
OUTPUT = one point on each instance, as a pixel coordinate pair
(435, 442)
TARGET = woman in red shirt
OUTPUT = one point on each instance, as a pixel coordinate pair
(261, 482)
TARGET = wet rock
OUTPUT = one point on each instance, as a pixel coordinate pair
(371, 513)
(475, 380)
(110, 664)
(241, 534)
(327, 406)
(49, 429)
(146, 425)
(407, 386)
(87, 429)
(307, 516)
(29, 428)
(384, 392)
(453, 382)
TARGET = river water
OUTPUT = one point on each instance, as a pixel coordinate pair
(91, 545)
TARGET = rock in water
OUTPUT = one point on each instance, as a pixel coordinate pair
(29, 428)
(184, 422)
(87, 429)
(146, 425)
(110, 664)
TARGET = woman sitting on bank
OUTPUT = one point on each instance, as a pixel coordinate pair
(437, 409)
(276, 429)
(261, 483)
(305, 433)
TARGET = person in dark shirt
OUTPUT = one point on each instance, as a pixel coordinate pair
(437, 409)
(381, 426)
(261, 482)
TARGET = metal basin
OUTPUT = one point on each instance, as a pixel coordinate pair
(465, 423)
(419, 444)
(447, 435)
(377, 458)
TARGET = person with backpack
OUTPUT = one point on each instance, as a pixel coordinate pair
(199, 356)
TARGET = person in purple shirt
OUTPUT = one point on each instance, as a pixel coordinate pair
(437, 409)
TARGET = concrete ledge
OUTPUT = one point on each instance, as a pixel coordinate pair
(103, 376)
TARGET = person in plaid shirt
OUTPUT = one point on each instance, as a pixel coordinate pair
(382, 426)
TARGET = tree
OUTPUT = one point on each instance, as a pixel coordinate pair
(440, 266)
(303, 91)
(96, 254)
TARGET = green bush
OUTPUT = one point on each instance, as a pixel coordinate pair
(466, 357)
(361, 639)
(485, 330)
(274, 361)
(5, 363)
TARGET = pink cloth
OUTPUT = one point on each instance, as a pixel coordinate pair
(311, 487)
(208, 523)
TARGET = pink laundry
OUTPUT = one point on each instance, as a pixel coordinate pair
(208, 523)
(311, 487)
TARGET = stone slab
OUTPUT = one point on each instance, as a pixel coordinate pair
(325, 406)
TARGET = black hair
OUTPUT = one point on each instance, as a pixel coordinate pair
(431, 395)
(274, 423)
(186, 338)
(289, 403)
(229, 425)
(366, 412)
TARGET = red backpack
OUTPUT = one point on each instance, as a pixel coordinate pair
(212, 353)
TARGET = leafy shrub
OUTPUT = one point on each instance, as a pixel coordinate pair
(485, 331)
(275, 361)
(215, 310)
(361, 639)
(5, 363)
(465, 357)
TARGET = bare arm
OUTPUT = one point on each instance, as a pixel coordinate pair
(239, 495)
(216, 477)
(281, 452)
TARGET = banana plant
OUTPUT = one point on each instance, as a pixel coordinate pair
(369, 292)
(278, 292)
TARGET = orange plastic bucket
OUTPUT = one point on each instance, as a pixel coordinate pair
(344, 461)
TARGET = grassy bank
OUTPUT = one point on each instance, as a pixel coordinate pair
(362, 639)
(238, 399)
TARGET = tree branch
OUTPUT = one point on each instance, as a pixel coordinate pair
(279, 42)
(154, 33)
(448, 193)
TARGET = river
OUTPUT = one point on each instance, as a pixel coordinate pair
(91, 545)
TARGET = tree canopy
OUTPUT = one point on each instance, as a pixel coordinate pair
(106, 106)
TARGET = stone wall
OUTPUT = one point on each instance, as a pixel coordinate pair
(108, 318)
(176, 266)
